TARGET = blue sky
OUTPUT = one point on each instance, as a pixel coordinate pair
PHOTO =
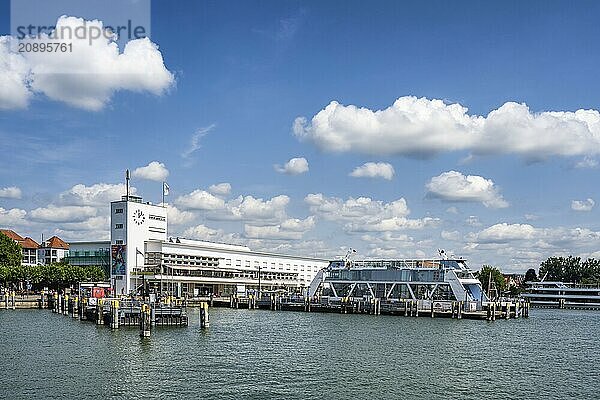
(244, 71)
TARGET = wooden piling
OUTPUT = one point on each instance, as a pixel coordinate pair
(145, 321)
(204, 320)
(99, 312)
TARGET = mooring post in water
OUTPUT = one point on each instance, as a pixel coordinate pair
(459, 310)
(13, 299)
(42, 300)
(100, 312)
(114, 314)
(66, 305)
(55, 303)
(204, 321)
(75, 310)
(145, 321)
(82, 308)
(152, 314)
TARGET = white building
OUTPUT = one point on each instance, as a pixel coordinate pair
(52, 250)
(141, 254)
(132, 224)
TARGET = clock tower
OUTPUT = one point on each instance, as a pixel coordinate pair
(132, 224)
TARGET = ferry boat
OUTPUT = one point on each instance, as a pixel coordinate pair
(562, 295)
(439, 280)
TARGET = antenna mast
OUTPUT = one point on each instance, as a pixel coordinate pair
(127, 183)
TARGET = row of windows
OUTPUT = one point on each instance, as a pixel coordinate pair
(280, 266)
(87, 253)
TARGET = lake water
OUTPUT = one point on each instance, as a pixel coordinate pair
(286, 355)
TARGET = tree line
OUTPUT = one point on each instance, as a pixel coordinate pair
(54, 276)
(571, 270)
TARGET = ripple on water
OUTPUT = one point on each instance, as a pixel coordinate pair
(274, 355)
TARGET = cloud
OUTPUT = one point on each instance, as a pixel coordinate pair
(85, 77)
(364, 214)
(195, 140)
(423, 127)
(295, 166)
(12, 217)
(14, 78)
(200, 200)
(249, 208)
(177, 217)
(99, 194)
(473, 220)
(242, 208)
(155, 171)
(374, 170)
(53, 213)
(93, 224)
(453, 236)
(454, 186)
(203, 232)
(11, 192)
(529, 237)
(587, 162)
(221, 189)
(290, 229)
(582, 205)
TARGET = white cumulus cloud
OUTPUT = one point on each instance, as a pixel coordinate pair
(14, 78)
(290, 229)
(54, 213)
(423, 127)
(374, 170)
(366, 215)
(155, 171)
(200, 200)
(203, 232)
(11, 192)
(12, 217)
(454, 186)
(295, 166)
(220, 189)
(582, 205)
(99, 194)
(85, 77)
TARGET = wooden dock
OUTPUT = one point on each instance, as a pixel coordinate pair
(504, 309)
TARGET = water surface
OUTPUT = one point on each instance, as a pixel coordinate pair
(283, 355)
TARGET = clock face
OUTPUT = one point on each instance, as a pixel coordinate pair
(138, 217)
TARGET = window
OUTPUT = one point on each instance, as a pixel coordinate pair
(118, 211)
(118, 226)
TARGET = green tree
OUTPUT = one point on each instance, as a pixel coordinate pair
(488, 274)
(530, 275)
(553, 269)
(11, 253)
(590, 269)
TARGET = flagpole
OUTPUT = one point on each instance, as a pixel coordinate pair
(163, 194)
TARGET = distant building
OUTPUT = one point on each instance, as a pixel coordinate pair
(95, 253)
(28, 245)
(53, 250)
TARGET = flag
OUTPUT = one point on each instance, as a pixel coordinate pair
(165, 189)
